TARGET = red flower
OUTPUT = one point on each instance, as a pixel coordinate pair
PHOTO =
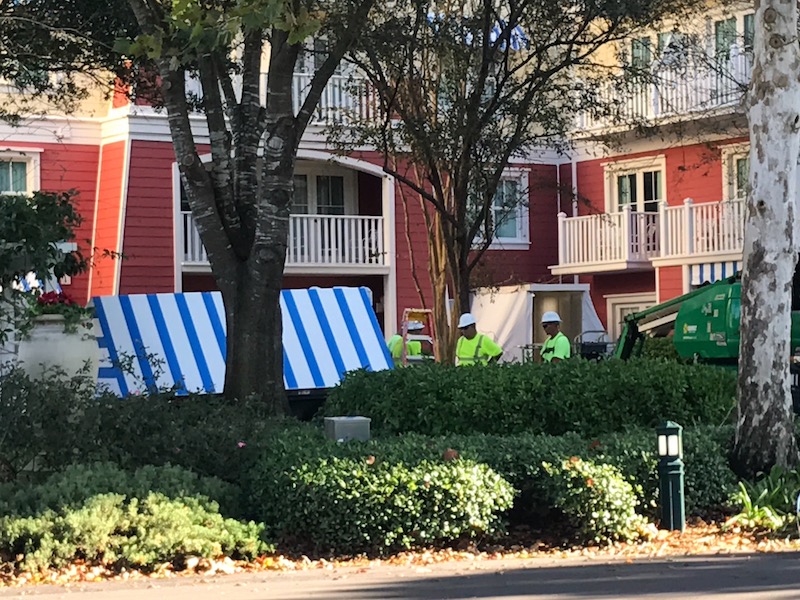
(54, 298)
(589, 482)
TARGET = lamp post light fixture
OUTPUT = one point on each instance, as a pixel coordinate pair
(671, 476)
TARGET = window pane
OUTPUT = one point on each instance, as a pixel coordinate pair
(652, 190)
(19, 177)
(505, 209)
(640, 53)
(724, 37)
(330, 195)
(5, 176)
(749, 31)
(742, 174)
(626, 190)
(300, 198)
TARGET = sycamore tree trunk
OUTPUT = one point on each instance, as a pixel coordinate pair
(765, 433)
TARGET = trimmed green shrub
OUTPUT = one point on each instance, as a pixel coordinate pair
(72, 487)
(587, 397)
(709, 480)
(597, 500)
(140, 532)
(661, 348)
(349, 506)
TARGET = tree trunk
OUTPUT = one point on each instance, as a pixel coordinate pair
(765, 433)
(254, 344)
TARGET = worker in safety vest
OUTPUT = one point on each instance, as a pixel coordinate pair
(475, 348)
(413, 347)
(556, 347)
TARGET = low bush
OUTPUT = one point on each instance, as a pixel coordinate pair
(519, 459)
(348, 506)
(72, 487)
(111, 530)
(596, 499)
(769, 502)
(586, 397)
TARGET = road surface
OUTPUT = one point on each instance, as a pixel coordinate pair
(758, 576)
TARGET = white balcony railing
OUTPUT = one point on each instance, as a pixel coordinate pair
(627, 239)
(346, 99)
(688, 89)
(620, 237)
(706, 228)
(324, 241)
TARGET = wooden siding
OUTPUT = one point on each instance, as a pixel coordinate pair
(110, 199)
(149, 240)
(670, 282)
(601, 286)
(72, 167)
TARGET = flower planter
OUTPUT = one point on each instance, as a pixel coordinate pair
(48, 345)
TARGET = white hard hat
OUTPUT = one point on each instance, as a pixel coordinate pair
(415, 326)
(466, 320)
(551, 317)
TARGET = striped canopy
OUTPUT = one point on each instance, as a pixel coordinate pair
(153, 341)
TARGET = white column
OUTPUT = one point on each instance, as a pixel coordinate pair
(689, 225)
(562, 228)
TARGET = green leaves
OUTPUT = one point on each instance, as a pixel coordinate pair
(589, 398)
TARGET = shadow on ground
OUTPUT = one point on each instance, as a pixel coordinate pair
(748, 576)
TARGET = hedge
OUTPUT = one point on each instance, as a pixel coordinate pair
(316, 489)
(586, 397)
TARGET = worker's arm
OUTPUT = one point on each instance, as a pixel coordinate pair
(491, 349)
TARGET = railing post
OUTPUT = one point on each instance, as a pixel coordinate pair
(562, 227)
(688, 220)
(663, 229)
(627, 242)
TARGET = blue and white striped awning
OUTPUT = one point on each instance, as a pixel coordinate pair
(711, 272)
(178, 340)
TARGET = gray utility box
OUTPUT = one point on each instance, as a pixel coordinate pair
(344, 429)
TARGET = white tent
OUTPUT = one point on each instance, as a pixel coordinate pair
(510, 313)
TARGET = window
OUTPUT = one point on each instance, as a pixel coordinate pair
(323, 191)
(19, 170)
(641, 54)
(504, 209)
(330, 195)
(736, 171)
(636, 183)
(724, 38)
(14, 177)
(510, 212)
(749, 31)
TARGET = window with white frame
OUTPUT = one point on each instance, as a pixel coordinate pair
(636, 183)
(329, 191)
(19, 171)
(510, 209)
(736, 171)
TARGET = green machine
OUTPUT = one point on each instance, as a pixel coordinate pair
(704, 324)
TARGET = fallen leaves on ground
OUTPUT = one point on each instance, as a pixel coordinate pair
(699, 538)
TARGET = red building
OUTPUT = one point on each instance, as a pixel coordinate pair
(652, 214)
(348, 223)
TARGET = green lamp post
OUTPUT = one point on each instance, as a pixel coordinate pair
(671, 475)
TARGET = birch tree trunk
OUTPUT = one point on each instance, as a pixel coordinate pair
(764, 432)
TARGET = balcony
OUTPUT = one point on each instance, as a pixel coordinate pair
(346, 99)
(693, 88)
(318, 244)
(637, 241)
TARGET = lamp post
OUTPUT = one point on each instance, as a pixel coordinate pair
(670, 476)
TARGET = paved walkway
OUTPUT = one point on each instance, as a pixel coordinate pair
(758, 577)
